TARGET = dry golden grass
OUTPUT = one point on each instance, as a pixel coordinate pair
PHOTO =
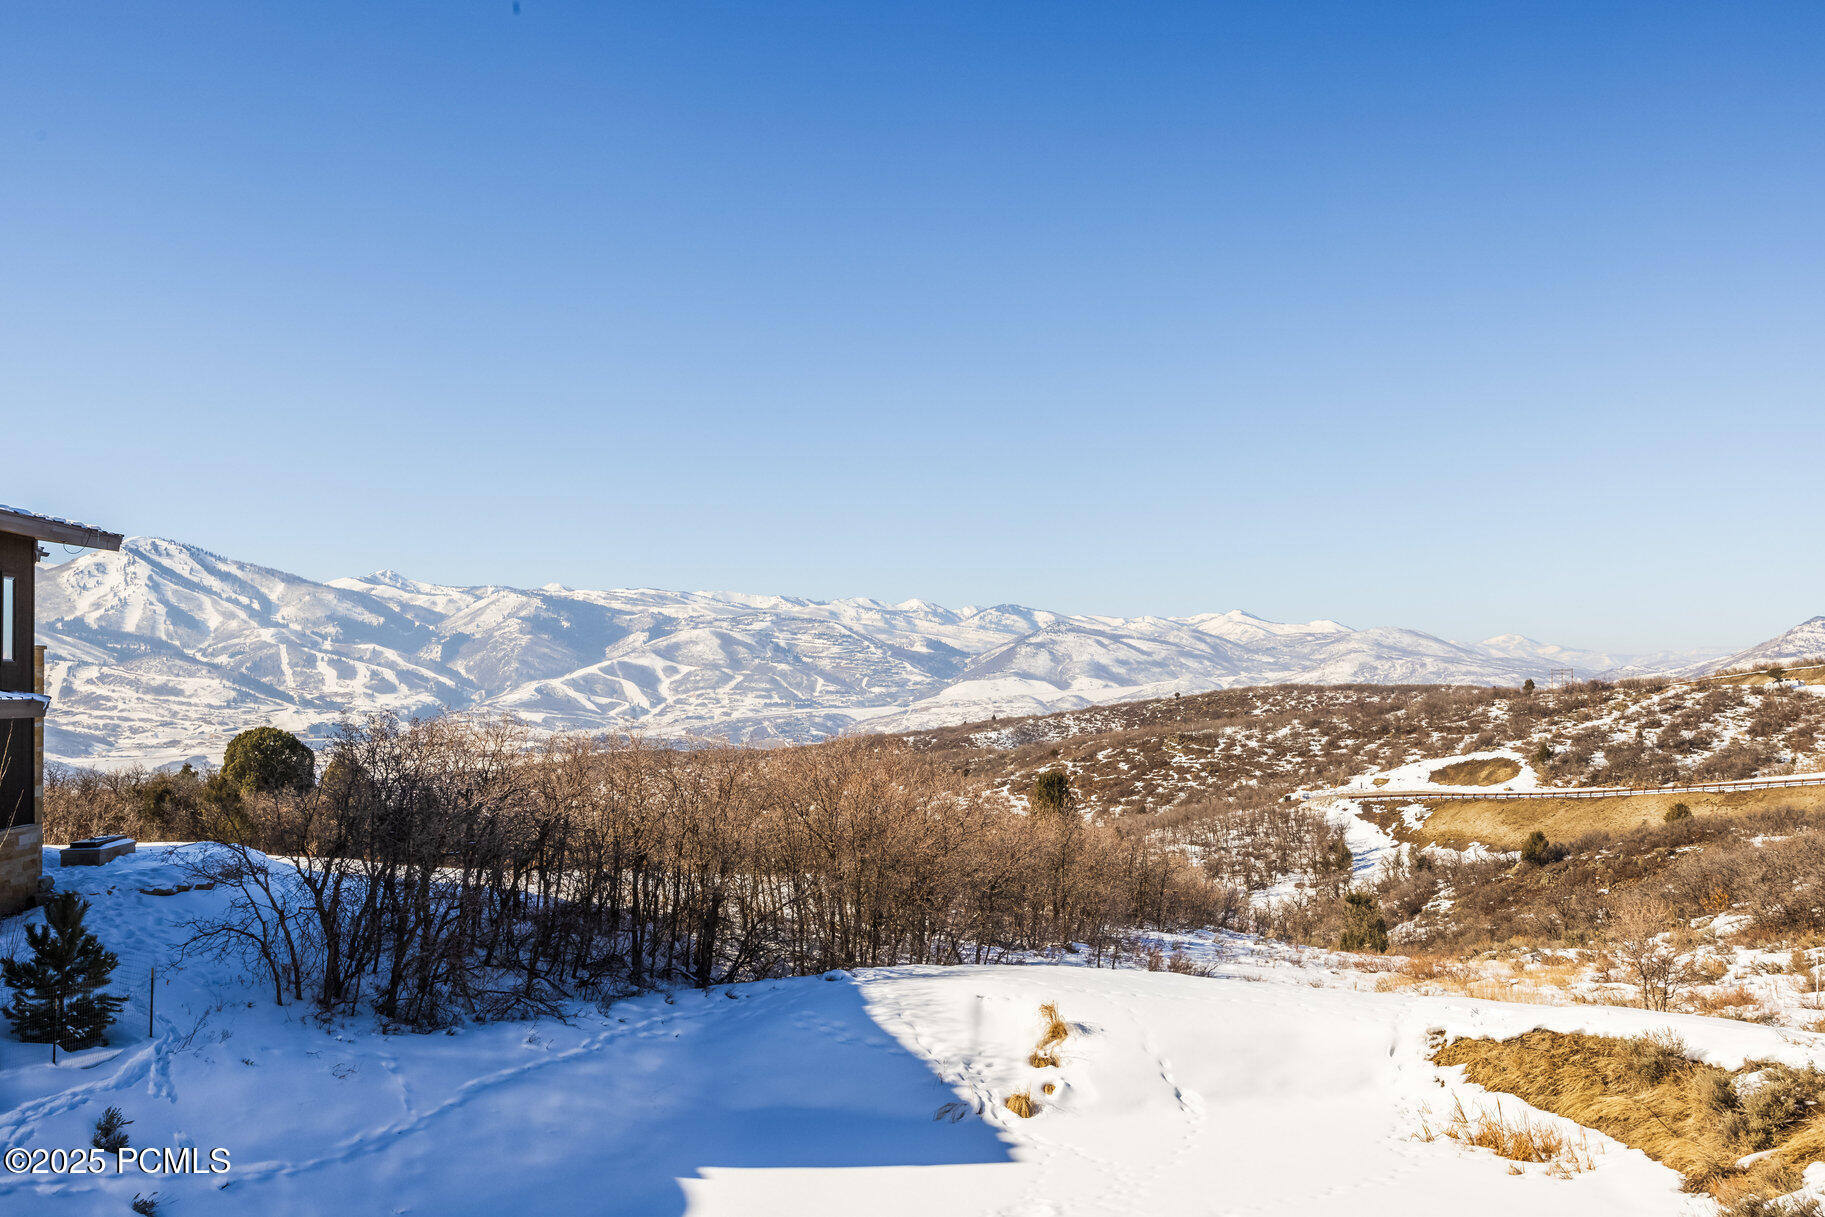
(1735, 1002)
(1518, 1138)
(1428, 966)
(1505, 823)
(1057, 1030)
(1558, 973)
(1710, 969)
(1534, 984)
(1021, 1104)
(1809, 674)
(1490, 772)
(1482, 988)
(1049, 1088)
(1646, 1093)
(1515, 991)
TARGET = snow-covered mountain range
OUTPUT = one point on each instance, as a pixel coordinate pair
(163, 651)
(1804, 641)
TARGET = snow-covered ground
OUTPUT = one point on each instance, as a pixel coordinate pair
(1279, 1084)
(1418, 775)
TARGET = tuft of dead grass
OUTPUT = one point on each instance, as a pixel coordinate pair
(1737, 1002)
(1519, 1138)
(1647, 1093)
(1021, 1104)
(1056, 1031)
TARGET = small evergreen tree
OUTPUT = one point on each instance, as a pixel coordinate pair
(111, 1131)
(267, 758)
(1527, 686)
(1543, 753)
(1364, 927)
(1538, 850)
(1677, 812)
(56, 993)
(1052, 792)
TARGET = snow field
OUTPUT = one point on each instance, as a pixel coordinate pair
(1272, 1087)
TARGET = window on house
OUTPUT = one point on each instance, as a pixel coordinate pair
(6, 619)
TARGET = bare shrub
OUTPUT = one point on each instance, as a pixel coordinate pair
(1639, 926)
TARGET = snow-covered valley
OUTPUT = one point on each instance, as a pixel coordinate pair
(161, 652)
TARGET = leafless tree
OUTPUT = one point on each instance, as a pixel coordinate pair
(1640, 930)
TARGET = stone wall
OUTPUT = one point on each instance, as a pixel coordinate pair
(22, 847)
(21, 857)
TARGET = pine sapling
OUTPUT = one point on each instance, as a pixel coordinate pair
(111, 1131)
(57, 996)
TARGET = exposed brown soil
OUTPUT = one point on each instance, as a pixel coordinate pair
(1492, 771)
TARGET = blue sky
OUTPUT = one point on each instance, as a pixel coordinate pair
(1465, 317)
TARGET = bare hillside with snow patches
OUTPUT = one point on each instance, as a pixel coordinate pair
(163, 651)
(1804, 641)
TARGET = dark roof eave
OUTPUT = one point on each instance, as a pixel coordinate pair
(15, 706)
(50, 528)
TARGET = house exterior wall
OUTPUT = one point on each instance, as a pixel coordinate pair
(19, 558)
(19, 772)
(21, 740)
(38, 739)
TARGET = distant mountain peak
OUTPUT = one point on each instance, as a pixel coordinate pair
(1804, 641)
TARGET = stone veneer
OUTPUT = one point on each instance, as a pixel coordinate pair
(21, 861)
(22, 848)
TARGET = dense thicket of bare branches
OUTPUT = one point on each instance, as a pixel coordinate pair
(457, 865)
(1768, 865)
(1255, 843)
(82, 803)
